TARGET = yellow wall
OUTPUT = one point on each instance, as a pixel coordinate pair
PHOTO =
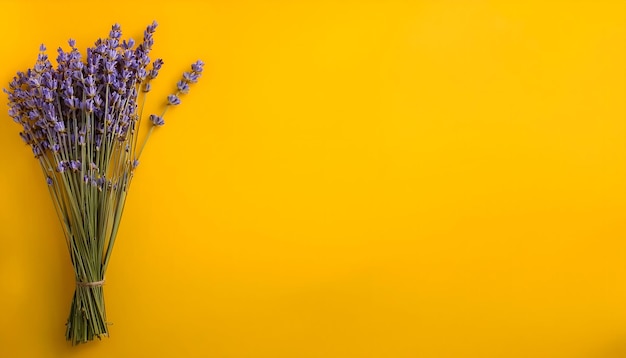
(350, 179)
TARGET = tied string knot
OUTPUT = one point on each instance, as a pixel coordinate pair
(90, 284)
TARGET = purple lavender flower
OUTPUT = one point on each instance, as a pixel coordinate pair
(48, 95)
(74, 165)
(116, 32)
(157, 64)
(37, 151)
(59, 126)
(147, 37)
(68, 88)
(126, 45)
(49, 180)
(190, 77)
(173, 100)
(196, 70)
(142, 53)
(152, 27)
(183, 86)
(197, 66)
(100, 182)
(90, 92)
(62, 166)
(88, 105)
(97, 100)
(34, 82)
(142, 74)
(33, 115)
(72, 102)
(157, 120)
(42, 56)
(77, 66)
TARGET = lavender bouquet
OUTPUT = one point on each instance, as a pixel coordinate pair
(81, 120)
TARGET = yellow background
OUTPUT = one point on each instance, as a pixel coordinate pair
(349, 179)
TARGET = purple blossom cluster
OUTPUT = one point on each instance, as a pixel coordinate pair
(78, 114)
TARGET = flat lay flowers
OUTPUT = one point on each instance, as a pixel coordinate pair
(82, 120)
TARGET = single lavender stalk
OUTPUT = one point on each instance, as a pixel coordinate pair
(81, 121)
(174, 99)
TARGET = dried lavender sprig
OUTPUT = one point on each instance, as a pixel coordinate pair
(154, 72)
(182, 86)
